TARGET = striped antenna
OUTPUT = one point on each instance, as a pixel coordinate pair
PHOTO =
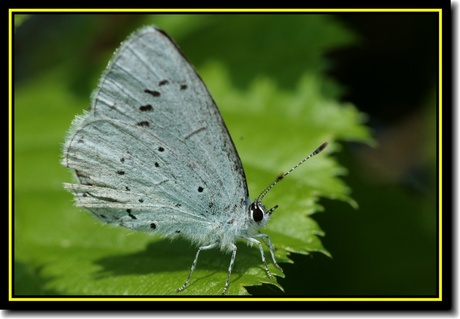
(280, 177)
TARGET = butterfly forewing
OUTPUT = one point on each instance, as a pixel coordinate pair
(154, 131)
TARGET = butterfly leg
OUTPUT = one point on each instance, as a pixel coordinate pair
(252, 240)
(268, 242)
(232, 261)
(194, 264)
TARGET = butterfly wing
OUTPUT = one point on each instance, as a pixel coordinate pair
(153, 151)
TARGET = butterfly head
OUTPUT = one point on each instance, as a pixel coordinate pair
(258, 212)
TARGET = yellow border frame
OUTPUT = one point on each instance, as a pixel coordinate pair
(10, 154)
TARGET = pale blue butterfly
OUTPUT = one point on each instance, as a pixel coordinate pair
(154, 154)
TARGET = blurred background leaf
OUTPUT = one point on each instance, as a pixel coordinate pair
(284, 84)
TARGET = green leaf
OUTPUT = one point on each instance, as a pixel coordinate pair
(61, 250)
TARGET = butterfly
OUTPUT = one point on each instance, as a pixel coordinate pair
(154, 154)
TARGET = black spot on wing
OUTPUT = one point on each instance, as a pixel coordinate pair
(143, 124)
(130, 214)
(146, 108)
(152, 92)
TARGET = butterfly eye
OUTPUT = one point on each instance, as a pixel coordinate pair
(257, 211)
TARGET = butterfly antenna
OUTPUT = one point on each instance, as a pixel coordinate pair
(281, 176)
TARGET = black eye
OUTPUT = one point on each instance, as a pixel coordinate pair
(257, 211)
